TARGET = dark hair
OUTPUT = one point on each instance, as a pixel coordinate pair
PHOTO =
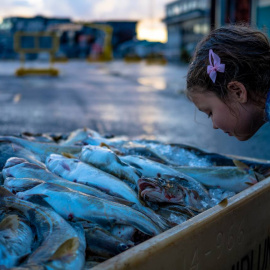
(246, 54)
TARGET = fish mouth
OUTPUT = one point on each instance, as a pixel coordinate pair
(144, 185)
(146, 188)
(14, 161)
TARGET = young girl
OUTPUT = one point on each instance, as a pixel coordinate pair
(229, 80)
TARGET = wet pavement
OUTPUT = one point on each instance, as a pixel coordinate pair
(134, 100)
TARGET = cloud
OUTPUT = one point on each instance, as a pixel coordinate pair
(86, 9)
(21, 3)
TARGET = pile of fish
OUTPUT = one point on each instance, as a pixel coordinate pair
(72, 201)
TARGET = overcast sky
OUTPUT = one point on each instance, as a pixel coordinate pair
(86, 9)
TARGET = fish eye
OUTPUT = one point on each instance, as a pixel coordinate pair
(122, 247)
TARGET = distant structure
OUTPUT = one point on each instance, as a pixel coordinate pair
(76, 40)
(189, 20)
(11, 25)
(123, 31)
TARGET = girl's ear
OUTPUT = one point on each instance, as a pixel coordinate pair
(237, 91)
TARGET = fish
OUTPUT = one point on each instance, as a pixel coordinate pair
(101, 242)
(20, 175)
(80, 135)
(38, 137)
(106, 160)
(56, 239)
(16, 239)
(133, 148)
(82, 241)
(228, 178)
(73, 205)
(41, 149)
(163, 190)
(21, 184)
(124, 232)
(175, 213)
(9, 150)
(73, 169)
(152, 169)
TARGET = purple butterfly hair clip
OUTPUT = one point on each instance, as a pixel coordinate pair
(212, 69)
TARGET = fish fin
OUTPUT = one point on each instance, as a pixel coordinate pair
(102, 144)
(67, 250)
(67, 155)
(259, 177)
(224, 202)
(176, 177)
(135, 165)
(5, 193)
(249, 184)
(241, 165)
(120, 161)
(32, 165)
(10, 222)
(124, 202)
(22, 259)
(139, 174)
(39, 199)
(55, 187)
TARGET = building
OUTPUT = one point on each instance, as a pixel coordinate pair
(77, 40)
(187, 22)
(253, 12)
(122, 31)
(11, 25)
(263, 15)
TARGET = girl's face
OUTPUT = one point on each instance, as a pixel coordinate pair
(241, 120)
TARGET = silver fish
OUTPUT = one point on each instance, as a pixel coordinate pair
(153, 169)
(21, 184)
(73, 169)
(57, 240)
(80, 135)
(42, 149)
(228, 178)
(82, 241)
(133, 148)
(124, 232)
(16, 238)
(73, 205)
(9, 150)
(106, 160)
(169, 191)
(102, 243)
(20, 175)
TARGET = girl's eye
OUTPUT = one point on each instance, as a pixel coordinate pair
(209, 115)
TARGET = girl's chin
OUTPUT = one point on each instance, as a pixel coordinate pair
(243, 138)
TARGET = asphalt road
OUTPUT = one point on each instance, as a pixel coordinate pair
(133, 100)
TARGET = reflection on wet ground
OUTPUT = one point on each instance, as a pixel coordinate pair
(136, 100)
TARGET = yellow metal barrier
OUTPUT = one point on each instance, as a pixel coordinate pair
(106, 54)
(37, 48)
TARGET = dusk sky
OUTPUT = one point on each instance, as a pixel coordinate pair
(91, 10)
